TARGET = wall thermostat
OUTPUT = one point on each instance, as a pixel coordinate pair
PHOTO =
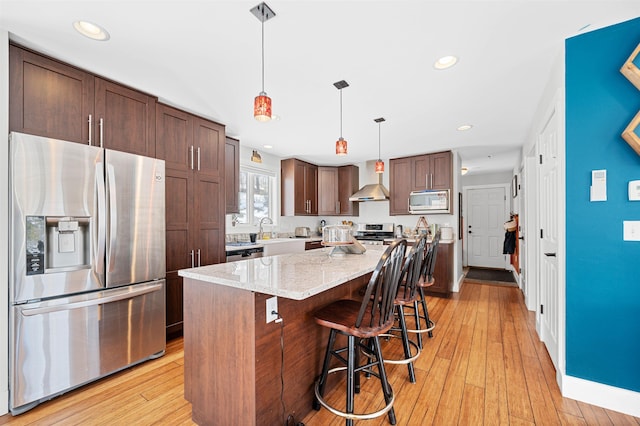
(634, 190)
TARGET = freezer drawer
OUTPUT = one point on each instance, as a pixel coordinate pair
(63, 343)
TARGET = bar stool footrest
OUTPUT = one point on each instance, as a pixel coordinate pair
(353, 416)
(403, 360)
(430, 328)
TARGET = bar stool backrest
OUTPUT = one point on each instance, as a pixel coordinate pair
(429, 264)
(408, 282)
(434, 255)
(377, 304)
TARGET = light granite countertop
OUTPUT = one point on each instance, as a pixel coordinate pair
(293, 276)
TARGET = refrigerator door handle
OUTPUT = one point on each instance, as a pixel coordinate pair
(100, 300)
(101, 232)
(113, 216)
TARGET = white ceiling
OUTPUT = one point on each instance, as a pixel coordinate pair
(204, 56)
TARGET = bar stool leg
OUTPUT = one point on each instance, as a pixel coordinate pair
(416, 314)
(386, 388)
(423, 300)
(405, 341)
(325, 368)
(351, 356)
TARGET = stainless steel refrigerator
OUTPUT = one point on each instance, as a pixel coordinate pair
(87, 265)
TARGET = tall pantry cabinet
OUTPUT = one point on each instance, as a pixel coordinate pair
(194, 152)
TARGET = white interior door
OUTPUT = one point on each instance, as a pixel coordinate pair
(548, 214)
(530, 232)
(485, 229)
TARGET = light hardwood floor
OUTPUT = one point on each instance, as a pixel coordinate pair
(484, 365)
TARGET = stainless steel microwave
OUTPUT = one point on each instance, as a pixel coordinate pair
(429, 201)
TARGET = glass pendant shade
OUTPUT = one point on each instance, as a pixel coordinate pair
(262, 107)
(379, 166)
(341, 147)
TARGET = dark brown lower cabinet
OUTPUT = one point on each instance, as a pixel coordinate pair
(443, 272)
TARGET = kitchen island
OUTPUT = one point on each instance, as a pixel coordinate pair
(233, 356)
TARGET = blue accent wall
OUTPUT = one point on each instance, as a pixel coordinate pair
(602, 270)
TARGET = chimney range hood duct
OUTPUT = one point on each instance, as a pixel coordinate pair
(372, 192)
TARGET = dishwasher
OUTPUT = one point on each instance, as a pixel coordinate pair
(244, 254)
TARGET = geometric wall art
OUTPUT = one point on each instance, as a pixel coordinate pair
(631, 70)
(632, 133)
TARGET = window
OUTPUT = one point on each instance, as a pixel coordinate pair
(256, 195)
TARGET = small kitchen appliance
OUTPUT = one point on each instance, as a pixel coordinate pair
(302, 232)
(429, 202)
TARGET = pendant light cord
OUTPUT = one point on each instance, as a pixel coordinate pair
(263, 53)
(340, 113)
(378, 141)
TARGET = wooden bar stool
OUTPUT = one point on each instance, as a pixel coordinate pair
(362, 321)
(408, 296)
(426, 280)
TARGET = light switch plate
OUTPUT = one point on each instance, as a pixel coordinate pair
(634, 190)
(631, 230)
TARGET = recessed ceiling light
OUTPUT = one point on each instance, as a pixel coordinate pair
(445, 62)
(465, 127)
(267, 146)
(91, 30)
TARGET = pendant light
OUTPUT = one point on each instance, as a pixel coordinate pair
(341, 144)
(262, 102)
(379, 163)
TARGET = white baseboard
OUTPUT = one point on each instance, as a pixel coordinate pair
(612, 398)
(458, 285)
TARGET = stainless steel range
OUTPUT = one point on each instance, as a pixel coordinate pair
(373, 233)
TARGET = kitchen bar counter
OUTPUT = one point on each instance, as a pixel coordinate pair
(232, 355)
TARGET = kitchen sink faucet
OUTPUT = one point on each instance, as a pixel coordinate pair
(261, 232)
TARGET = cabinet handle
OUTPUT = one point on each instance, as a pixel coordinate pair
(101, 132)
(191, 155)
(192, 259)
(198, 158)
(90, 125)
(338, 207)
(199, 264)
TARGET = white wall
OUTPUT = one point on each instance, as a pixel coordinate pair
(486, 178)
(4, 221)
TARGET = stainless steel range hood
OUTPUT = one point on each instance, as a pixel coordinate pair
(371, 192)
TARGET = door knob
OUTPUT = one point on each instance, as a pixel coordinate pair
(550, 254)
